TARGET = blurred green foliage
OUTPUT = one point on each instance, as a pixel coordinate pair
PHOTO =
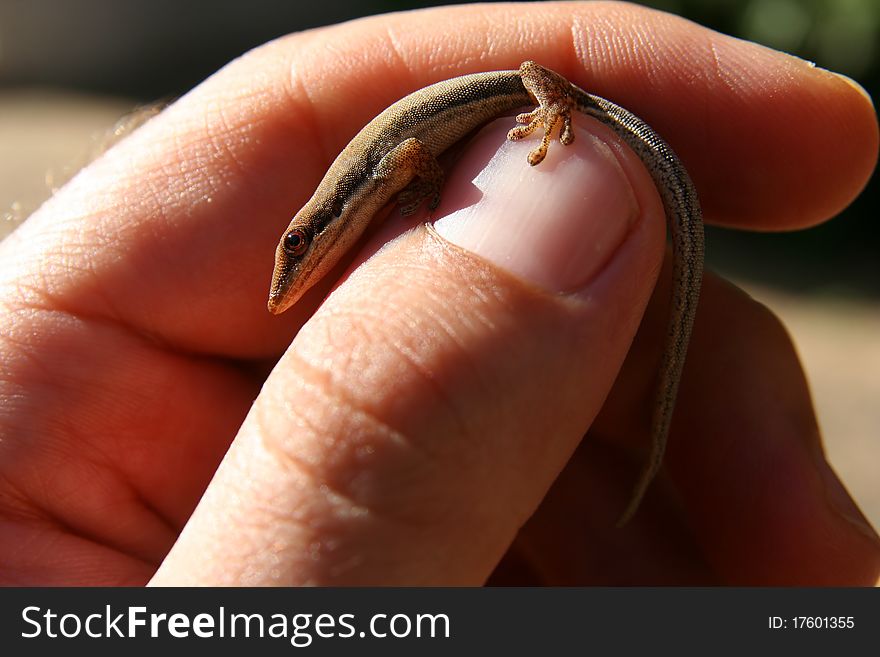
(842, 35)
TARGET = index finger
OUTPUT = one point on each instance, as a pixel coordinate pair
(177, 225)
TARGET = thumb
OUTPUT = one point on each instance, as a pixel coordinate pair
(422, 413)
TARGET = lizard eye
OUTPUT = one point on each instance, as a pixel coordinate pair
(337, 208)
(296, 242)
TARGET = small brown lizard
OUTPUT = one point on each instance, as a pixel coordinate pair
(395, 155)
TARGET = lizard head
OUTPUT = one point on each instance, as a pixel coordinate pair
(305, 253)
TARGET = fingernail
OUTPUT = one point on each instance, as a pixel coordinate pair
(855, 85)
(555, 224)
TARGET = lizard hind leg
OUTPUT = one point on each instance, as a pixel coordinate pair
(539, 117)
(555, 100)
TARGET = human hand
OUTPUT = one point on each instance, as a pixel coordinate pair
(426, 422)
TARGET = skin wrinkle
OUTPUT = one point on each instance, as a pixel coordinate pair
(306, 112)
(337, 377)
(455, 414)
(54, 308)
(169, 530)
(393, 49)
(333, 491)
(718, 69)
(35, 291)
(344, 404)
(63, 523)
(107, 311)
(15, 503)
(25, 345)
(267, 514)
(582, 44)
(127, 497)
(456, 336)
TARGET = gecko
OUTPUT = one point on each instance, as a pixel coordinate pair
(395, 157)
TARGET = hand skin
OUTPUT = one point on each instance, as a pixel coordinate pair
(425, 425)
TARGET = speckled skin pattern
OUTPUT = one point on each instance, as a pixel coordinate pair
(396, 155)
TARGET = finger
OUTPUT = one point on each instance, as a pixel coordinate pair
(180, 240)
(745, 462)
(751, 457)
(421, 415)
(772, 141)
(572, 540)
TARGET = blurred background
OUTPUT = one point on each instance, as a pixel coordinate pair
(70, 69)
